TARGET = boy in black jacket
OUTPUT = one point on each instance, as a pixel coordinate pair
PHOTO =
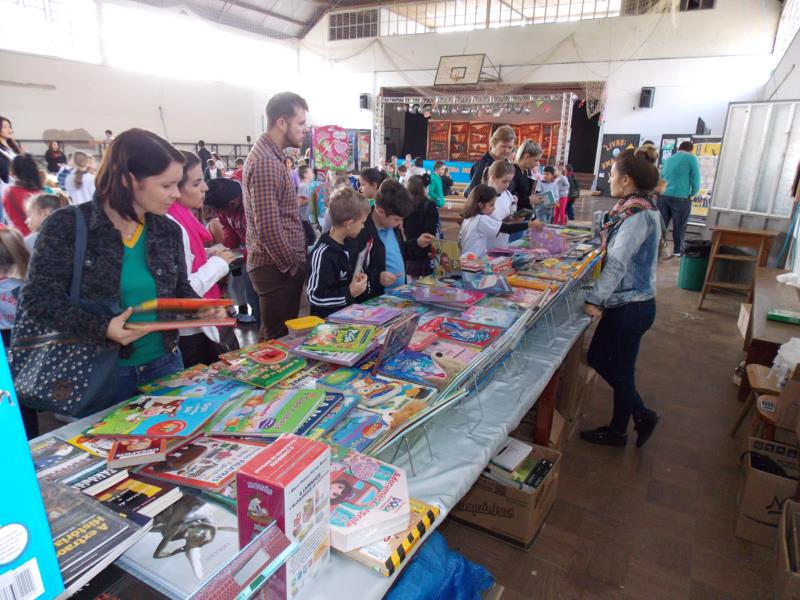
(331, 283)
(385, 262)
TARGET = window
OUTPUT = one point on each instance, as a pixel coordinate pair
(353, 25)
(787, 27)
(62, 28)
(695, 4)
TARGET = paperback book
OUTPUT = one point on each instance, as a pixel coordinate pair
(527, 298)
(95, 479)
(365, 315)
(138, 493)
(196, 381)
(385, 556)
(184, 323)
(391, 301)
(420, 368)
(267, 413)
(328, 404)
(206, 463)
(499, 303)
(462, 332)
(307, 378)
(56, 459)
(449, 297)
(95, 446)
(347, 359)
(421, 340)
(359, 430)
(374, 390)
(369, 499)
(494, 317)
(396, 339)
(263, 366)
(457, 352)
(488, 284)
(131, 452)
(445, 255)
(330, 421)
(530, 282)
(332, 337)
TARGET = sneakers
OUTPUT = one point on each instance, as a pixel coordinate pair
(246, 318)
(644, 426)
(603, 436)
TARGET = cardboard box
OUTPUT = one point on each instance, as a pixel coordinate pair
(787, 582)
(559, 432)
(784, 449)
(761, 498)
(289, 482)
(508, 513)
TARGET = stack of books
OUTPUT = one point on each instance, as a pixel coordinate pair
(366, 315)
(262, 365)
(514, 465)
(341, 344)
(447, 297)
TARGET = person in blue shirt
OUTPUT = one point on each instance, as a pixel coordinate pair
(386, 246)
(682, 173)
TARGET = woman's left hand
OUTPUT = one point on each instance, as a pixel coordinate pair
(214, 314)
(592, 310)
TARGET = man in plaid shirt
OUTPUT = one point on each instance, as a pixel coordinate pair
(276, 245)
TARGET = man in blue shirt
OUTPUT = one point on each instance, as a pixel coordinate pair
(682, 172)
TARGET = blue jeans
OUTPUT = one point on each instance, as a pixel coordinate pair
(517, 236)
(678, 211)
(613, 353)
(544, 214)
(130, 378)
(570, 210)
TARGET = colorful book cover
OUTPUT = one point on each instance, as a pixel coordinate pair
(399, 409)
(55, 458)
(263, 367)
(189, 541)
(397, 339)
(329, 403)
(526, 298)
(446, 256)
(406, 291)
(500, 303)
(462, 332)
(528, 281)
(138, 493)
(307, 378)
(358, 430)
(330, 421)
(391, 301)
(331, 337)
(128, 452)
(369, 499)
(195, 381)
(266, 413)
(29, 567)
(346, 359)
(447, 349)
(448, 296)
(158, 416)
(494, 317)
(421, 340)
(374, 390)
(386, 555)
(99, 447)
(417, 367)
(365, 314)
(206, 463)
(486, 283)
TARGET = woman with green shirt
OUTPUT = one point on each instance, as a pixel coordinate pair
(134, 253)
(436, 189)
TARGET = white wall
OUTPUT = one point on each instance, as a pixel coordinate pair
(784, 84)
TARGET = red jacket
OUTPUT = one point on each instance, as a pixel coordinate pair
(234, 231)
(14, 201)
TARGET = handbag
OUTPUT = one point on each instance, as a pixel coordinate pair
(59, 373)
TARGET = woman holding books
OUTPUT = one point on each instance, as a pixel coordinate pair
(133, 254)
(206, 267)
(624, 296)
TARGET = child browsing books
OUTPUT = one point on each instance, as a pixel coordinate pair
(39, 208)
(547, 189)
(499, 176)
(14, 257)
(423, 219)
(563, 197)
(332, 283)
(387, 246)
(304, 189)
(574, 192)
(480, 228)
(436, 186)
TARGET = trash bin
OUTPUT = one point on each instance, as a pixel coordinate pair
(694, 262)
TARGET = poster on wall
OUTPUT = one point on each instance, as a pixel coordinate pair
(351, 147)
(331, 148)
(707, 150)
(613, 145)
(670, 143)
(363, 148)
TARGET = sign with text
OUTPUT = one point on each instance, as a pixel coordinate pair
(613, 145)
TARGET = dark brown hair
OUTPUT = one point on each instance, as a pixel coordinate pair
(13, 253)
(26, 172)
(12, 143)
(480, 196)
(394, 199)
(133, 155)
(417, 189)
(81, 160)
(639, 165)
(283, 106)
(437, 164)
(686, 146)
(190, 160)
(372, 175)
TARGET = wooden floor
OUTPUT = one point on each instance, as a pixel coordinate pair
(655, 523)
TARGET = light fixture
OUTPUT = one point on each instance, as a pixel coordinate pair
(426, 111)
(414, 108)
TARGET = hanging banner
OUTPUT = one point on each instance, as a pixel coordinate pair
(613, 145)
(331, 148)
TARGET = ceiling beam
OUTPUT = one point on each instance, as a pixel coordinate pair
(266, 13)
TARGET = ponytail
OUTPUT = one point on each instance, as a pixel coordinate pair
(640, 166)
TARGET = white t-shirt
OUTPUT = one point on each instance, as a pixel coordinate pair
(504, 206)
(476, 234)
(79, 195)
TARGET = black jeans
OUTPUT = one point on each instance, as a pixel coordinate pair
(613, 353)
(677, 210)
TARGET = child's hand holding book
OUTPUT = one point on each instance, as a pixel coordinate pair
(359, 285)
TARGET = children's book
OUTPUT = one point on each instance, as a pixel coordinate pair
(189, 542)
(385, 556)
(95, 446)
(397, 339)
(331, 337)
(157, 416)
(450, 297)
(495, 317)
(399, 409)
(530, 282)
(445, 255)
(330, 421)
(307, 378)
(419, 368)
(462, 332)
(95, 479)
(391, 301)
(361, 258)
(359, 430)
(347, 359)
(130, 452)
(407, 291)
(369, 499)
(263, 366)
(486, 283)
(328, 403)
(181, 305)
(499, 303)
(266, 414)
(447, 349)
(374, 390)
(206, 463)
(365, 314)
(526, 298)
(56, 459)
(421, 340)
(140, 494)
(153, 326)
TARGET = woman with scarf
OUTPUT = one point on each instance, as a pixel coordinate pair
(198, 345)
(624, 296)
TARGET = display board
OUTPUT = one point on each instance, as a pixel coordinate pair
(470, 141)
(438, 140)
(479, 136)
(459, 138)
(707, 150)
(331, 148)
(670, 143)
(613, 144)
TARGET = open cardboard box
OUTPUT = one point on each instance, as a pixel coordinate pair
(787, 579)
(509, 513)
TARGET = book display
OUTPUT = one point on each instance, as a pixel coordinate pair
(196, 452)
(466, 141)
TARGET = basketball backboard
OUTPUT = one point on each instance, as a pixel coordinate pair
(463, 69)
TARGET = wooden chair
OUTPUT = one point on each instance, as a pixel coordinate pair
(760, 384)
(767, 412)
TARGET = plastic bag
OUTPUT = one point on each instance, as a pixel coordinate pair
(438, 573)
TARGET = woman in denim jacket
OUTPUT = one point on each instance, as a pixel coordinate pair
(624, 297)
